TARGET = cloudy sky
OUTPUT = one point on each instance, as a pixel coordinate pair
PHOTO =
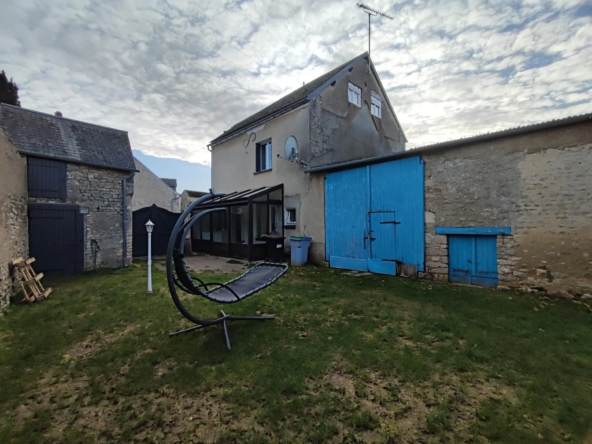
(176, 73)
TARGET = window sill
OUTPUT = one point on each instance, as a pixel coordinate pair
(262, 171)
(290, 227)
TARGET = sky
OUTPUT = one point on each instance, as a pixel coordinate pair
(176, 73)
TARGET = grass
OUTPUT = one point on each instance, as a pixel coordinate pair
(348, 359)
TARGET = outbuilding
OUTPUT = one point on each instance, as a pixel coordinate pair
(79, 184)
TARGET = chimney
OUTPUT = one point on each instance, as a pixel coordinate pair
(58, 113)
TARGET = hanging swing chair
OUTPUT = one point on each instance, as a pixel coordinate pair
(256, 279)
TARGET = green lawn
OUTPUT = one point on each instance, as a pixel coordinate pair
(349, 359)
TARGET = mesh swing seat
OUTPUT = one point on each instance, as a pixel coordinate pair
(254, 280)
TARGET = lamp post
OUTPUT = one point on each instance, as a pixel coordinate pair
(149, 228)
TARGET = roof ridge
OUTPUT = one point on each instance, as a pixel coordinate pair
(62, 118)
(301, 95)
(512, 130)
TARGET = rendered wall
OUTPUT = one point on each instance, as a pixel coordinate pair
(539, 184)
(14, 236)
(341, 131)
(150, 190)
(233, 169)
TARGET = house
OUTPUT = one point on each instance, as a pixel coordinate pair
(344, 115)
(509, 208)
(79, 186)
(149, 189)
(190, 196)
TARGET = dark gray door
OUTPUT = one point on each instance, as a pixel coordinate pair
(56, 238)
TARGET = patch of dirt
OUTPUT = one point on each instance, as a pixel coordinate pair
(403, 408)
(162, 416)
(92, 345)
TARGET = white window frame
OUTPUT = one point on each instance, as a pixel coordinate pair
(265, 157)
(354, 94)
(376, 107)
(289, 221)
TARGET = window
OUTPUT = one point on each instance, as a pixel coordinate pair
(263, 156)
(46, 178)
(290, 216)
(354, 95)
(376, 107)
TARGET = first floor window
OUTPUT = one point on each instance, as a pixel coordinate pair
(376, 108)
(263, 156)
(354, 95)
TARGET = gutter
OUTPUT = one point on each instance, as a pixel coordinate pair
(125, 221)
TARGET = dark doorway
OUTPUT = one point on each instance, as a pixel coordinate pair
(56, 238)
(164, 222)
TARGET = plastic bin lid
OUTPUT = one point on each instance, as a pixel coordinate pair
(300, 238)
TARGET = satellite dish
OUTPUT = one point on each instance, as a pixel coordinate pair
(291, 148)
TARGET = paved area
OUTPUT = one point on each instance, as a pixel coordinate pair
(215, 263)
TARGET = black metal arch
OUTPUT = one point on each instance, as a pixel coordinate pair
(254, 280)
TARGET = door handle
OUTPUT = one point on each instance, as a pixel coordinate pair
(372, 238)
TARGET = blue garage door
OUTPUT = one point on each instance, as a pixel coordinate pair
(473, 260)
(374, 216)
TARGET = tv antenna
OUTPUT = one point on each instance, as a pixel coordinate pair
(372, 12)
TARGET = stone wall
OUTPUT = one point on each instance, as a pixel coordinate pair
(13, 217)
(151, 190)
(537, 183)
(100, 190)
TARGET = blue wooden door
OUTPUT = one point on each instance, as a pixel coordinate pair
(354, 200)
(485, 271)
(461, 254)
(382, 243)
(473, 260)
(346, 207)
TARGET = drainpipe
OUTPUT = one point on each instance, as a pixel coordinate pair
(125, 221)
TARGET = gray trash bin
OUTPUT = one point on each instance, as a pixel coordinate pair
(299, 250)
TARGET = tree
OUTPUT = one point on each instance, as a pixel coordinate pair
(8, 90)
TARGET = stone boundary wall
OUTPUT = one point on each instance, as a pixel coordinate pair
(101, 191)
(14, 230)
(537, 183)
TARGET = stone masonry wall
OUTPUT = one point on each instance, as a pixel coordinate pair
(100, 190)
(14, 238)
(539, 184)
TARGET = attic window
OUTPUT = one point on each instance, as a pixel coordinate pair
(354, 94)
(376, 107)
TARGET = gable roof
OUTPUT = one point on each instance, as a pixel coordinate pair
(290, 101)
(44, 135)
(171, 183)
(195, 194)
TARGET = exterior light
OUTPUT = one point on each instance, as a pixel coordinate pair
(149, 228)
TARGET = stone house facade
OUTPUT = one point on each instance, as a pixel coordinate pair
(149, 189)
(79, 188)
(509, 209)
(13, 215)
(536, 181)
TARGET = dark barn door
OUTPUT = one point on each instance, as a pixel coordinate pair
(56, 238)
(164, 222)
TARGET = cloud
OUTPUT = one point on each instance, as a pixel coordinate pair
(177, 73)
